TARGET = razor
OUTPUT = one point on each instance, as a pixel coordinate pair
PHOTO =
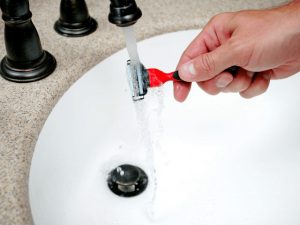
(140, 78)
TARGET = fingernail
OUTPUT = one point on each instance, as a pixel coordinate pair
(187, 71)
(177, 87)
(250, 74)
(223, 81)
(191, 68)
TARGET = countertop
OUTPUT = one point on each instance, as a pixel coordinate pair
(25, 107)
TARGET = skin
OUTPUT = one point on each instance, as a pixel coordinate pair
(265, 44)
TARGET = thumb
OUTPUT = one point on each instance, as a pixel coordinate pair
(208, 65)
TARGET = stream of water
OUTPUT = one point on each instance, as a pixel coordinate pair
(131, 44)
(148, 115)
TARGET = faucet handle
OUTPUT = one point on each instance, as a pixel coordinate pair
(16, 9)
(74, 20)
(25, 59)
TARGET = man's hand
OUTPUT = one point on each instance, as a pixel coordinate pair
(265, 44)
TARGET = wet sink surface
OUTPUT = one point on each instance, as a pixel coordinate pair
(219, 160)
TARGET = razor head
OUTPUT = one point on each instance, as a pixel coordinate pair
(138, 80)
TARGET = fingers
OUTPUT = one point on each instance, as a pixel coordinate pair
(210, 52)
(215, 85)
(207, 65)
(241, 82)
(181, 90)
(258, 86)
(197, 46)
(245, 83)
(216, 32)
(211, 37)
(225, 82)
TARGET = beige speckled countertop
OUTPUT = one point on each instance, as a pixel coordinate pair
(25, 107)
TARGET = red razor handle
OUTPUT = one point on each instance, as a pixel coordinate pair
(157, 77)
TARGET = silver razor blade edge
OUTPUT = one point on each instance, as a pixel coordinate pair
(138, 81)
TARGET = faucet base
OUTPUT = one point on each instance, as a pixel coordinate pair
(77, 29)
(28, 73)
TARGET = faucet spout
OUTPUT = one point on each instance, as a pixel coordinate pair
(124, 13)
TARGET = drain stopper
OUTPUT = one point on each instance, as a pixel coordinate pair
(127, 180)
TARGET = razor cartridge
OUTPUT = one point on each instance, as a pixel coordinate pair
(137, 80)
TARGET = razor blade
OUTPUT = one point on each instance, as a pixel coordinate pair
(137, 79)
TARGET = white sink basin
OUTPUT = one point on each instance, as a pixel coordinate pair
(219, 160)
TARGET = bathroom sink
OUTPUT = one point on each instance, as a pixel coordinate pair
(212, 160)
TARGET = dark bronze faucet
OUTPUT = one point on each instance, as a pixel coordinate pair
(124, 13)
(74, 19)
(25, 60)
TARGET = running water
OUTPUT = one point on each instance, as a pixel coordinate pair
(148, 114)
(135, 79)
(131, 45)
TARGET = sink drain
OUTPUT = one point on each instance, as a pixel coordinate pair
(127, 180)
